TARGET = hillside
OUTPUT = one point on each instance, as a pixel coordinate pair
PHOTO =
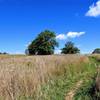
(55, 77)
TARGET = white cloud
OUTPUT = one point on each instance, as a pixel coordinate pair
(57, 51)
(74, 34)
(69, 35)
(94, 10)
(61, 37)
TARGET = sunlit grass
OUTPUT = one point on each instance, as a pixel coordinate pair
(41, 77)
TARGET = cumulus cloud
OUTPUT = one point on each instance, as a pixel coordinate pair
(69, 35)
(94, 10)
(61, 37)
(74, 34)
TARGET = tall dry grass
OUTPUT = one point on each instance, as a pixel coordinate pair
(24, 75)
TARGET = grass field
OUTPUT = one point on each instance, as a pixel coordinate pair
(46, 77)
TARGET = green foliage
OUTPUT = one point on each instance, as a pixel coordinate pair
(58, 87)
(96, 51)
(88, 89)
(44, 44)
(70, 48)
(96, 59)
(86, 92)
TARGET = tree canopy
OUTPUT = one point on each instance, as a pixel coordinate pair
(70, 48)
(44, 44)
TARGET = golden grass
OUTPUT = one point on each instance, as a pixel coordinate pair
(23, 75)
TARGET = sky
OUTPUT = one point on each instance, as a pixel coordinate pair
(72, 20)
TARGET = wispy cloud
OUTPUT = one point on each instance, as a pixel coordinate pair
(74, 34)
(69, 35)
(94, 10)
(61, 36)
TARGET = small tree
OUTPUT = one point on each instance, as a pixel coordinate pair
(96, 51)
(44, 44)
(70, 48)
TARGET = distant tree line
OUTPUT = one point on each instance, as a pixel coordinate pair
(4, 53)
(45, 44)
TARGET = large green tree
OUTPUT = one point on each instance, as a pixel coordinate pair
(44, 44)
(70, 48)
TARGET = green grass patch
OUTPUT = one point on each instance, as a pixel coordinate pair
(58, 87)
(87, 90)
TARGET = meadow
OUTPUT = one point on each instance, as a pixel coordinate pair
(54, 77)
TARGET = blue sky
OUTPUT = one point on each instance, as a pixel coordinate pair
(76, 20)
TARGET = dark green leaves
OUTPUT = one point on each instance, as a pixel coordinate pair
(44, 44)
